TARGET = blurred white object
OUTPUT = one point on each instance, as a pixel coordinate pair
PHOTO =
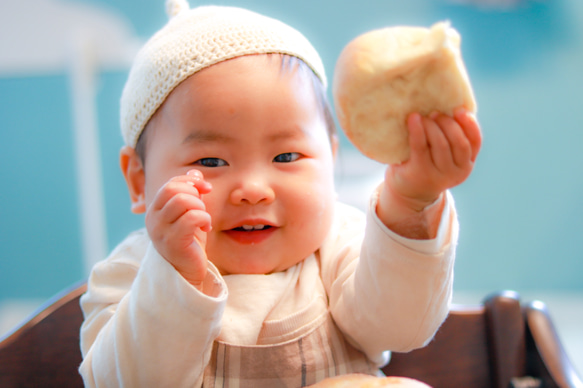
(38, 35)
(43, 37)
(493, 4)
(356, 177)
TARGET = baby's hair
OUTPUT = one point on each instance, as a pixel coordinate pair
(289, 63)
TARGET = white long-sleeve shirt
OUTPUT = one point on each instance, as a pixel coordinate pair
(147, 326)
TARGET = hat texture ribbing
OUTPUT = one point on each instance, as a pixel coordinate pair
(197, 38)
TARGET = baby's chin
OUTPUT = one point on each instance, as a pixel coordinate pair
(258, 264)
(256, 268)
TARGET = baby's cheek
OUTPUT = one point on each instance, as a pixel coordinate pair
(318, 210)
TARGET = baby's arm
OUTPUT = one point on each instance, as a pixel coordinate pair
(145, 325)
(177, 223)
(443, 153)
(397, 293)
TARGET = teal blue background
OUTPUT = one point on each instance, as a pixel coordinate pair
(520, 212)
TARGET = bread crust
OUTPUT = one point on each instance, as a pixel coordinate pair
(357, 380)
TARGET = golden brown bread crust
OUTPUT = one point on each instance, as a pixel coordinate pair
(357, 380)
(384, 75)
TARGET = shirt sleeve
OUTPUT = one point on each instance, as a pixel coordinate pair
(396, 294)
(145, 325)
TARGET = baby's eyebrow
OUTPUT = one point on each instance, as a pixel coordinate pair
(203, 136)
(287, 134)
(207, 137)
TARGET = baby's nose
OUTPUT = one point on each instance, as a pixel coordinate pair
(253, 191)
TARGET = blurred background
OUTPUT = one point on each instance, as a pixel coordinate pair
(63, 201)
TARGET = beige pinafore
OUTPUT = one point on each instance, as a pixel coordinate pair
(320, 353)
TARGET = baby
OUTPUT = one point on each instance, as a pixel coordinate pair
(249, 272)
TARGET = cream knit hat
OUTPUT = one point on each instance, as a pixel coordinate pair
(194, 39)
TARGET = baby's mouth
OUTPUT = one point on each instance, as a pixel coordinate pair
(251, 234)
(251, 228)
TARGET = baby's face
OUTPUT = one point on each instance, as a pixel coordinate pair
(257, 135)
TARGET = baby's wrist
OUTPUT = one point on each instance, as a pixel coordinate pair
(197, 281)
(415, 204)
(410, 217)
(193, 271)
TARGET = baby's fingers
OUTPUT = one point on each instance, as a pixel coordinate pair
(175, 199)
(197, 180)
(417, 138)
(179, 204)
(439, 146)
(471, 128)
(460, 146)
(180, 187)
(190, 221)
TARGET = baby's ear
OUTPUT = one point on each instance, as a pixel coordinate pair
(133, 172)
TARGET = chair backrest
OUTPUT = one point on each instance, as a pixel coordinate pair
(497, 344)
(44, 351)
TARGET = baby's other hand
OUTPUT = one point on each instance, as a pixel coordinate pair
(177, 223)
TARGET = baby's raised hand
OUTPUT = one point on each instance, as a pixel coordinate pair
(177, 223)
(443, 153)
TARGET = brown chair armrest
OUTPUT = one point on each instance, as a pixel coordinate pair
(547, 347)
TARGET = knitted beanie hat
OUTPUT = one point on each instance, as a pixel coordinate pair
(194, 39)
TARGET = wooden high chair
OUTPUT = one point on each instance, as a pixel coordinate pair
(498, 344)
(495, 344)
(44, 351)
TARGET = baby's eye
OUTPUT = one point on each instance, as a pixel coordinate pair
(287, 157)
(211, 162)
